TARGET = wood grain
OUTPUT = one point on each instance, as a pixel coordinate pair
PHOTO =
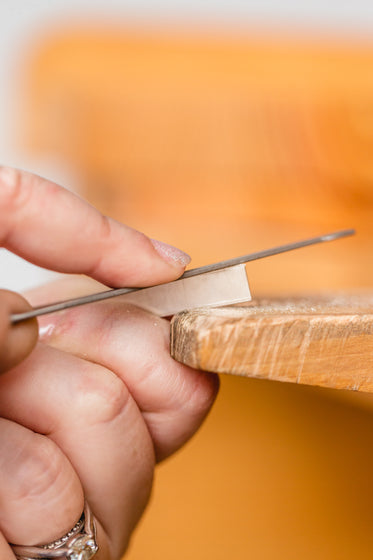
(325, 341)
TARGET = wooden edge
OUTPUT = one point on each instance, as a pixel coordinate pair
(330, 347)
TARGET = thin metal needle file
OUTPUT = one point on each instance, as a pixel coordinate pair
(58, 306)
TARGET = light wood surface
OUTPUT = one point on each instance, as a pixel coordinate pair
(325, 341)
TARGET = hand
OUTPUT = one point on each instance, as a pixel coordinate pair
(18, 341)
(99, 400)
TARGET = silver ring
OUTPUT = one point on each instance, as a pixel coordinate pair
(78, 544)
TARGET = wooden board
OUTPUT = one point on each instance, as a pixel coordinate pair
(326, 341)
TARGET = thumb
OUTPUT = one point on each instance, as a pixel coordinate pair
(16, 341)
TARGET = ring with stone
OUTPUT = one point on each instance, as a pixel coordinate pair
(78, 544)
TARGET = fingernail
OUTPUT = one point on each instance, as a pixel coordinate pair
(171, 254)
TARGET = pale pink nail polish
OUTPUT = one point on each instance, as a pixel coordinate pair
(171, 254)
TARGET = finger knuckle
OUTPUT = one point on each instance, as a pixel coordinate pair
(201, 392)
(102, 229)
(105, 226)
(37, 467)
(101, 396)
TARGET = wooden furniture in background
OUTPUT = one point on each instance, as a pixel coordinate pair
(219, 144)
(224, 145)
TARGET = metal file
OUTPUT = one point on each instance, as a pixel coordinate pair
(185, 293)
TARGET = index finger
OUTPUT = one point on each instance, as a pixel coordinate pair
(53, 228)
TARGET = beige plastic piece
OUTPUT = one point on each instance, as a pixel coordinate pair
(218, 288)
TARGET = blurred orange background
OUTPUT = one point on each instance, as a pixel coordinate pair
(224, 144)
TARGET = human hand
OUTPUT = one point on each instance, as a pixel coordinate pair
(89, 412)
(17, 341)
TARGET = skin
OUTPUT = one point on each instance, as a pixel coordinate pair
(89, 409)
